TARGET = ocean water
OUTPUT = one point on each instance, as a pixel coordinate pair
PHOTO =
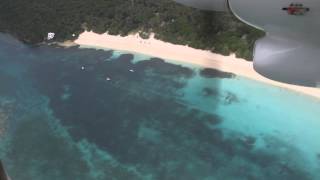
(102, 114)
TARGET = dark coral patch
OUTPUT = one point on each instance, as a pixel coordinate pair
(231, 98)
(164, 68)
(214, 73)
(206, 91)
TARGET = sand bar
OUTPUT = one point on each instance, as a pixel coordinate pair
(184, 54)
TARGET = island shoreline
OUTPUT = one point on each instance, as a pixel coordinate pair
(181, 54)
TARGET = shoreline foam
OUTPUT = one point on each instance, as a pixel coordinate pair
(184, 54)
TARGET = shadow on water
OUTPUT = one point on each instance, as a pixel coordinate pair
(88, 114)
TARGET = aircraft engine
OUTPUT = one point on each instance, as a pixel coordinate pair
(290, 51)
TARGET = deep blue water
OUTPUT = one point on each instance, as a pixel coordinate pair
(94, 114)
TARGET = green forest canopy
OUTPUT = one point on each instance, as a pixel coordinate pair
(31, 20)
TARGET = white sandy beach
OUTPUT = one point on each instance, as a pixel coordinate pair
(184, 54)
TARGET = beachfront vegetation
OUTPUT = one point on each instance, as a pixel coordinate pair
(31, 20)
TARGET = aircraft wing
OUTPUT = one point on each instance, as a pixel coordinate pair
(290, 51)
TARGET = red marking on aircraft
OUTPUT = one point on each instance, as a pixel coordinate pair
(296, 9)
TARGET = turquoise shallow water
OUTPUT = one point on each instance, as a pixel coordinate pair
(262, 110)
(62, 118)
